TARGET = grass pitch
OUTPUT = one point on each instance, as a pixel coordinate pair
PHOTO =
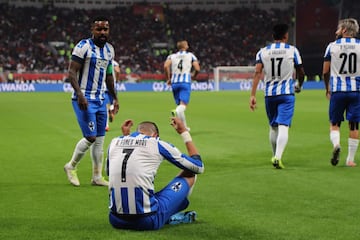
(240, 195)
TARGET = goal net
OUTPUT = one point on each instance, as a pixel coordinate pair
(238, 76)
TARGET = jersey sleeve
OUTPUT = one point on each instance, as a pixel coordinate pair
(79, 51)
(179, 159)
(327, 55)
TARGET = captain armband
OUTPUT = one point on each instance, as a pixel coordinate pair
(186, 137)
(109, 69)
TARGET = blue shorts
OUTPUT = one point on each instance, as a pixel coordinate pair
(181, 92)
(92, 121)
(280, 109)
(171, 199)
(341, 102)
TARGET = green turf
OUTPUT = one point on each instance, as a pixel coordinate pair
(240, 195)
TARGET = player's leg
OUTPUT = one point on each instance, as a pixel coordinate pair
(273, 134)
(353, 116)
(285, 113)
(97, 148)
(271, 107)
(173, 200)
(85, 120)
(184, 98)
(337, 108)
(353, 143)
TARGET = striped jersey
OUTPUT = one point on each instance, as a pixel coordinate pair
(279, 60)
(344, 54)
(96, 62)
(132, 164)
(181, 64)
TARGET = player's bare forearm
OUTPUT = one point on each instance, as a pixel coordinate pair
(181, 129)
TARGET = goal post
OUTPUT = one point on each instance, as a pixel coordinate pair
(232, 74)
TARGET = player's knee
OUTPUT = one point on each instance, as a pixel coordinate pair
(91, 139)
(337, 124)
(354, 126)
(188, 176)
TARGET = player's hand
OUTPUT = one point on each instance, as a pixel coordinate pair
(116, 106)
(328, 95)
(252, 103)
(82, 102)
(126, 127)
(297, 88)
(178, 125)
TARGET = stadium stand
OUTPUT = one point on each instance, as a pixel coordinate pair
(41, 39)
(220, 32)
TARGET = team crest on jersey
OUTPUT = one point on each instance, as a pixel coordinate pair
(91, 126)
(101, 63)
(176, 186)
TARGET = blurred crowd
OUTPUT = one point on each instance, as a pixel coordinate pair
(41, 39)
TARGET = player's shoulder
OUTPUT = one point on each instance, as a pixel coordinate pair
(83, 43)
(109, 47)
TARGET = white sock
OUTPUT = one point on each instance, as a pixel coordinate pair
(352, 148)
(80, 149)
(180, 111)
(273, 134)
(282, 139)
(97, 153)
(335, 137)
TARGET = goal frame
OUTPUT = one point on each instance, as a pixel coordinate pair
(227, 68)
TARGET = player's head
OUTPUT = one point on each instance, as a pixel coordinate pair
(182, 45)
(148, 128)
(100, 29)
(348, 27)
(281, 32)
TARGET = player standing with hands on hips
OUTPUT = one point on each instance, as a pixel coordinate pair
(178, 71)
(90, 74)
(132, 164)
(278, 61)
(341, 71)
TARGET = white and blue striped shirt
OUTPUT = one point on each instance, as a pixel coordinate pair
(344, 54)
(279, 60)
(132, 164)
(181, 63)
(95, 63)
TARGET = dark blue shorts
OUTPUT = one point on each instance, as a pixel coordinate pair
(344, 102)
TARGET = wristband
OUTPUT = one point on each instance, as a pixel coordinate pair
(186, 136)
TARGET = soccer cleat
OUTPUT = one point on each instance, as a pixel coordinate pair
(335, 156)
(99, 182)
(173, 113)
(277, 163)
(350, 164)
(182, 217)
(71, 175)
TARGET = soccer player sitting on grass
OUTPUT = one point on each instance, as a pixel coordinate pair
(132, 163)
